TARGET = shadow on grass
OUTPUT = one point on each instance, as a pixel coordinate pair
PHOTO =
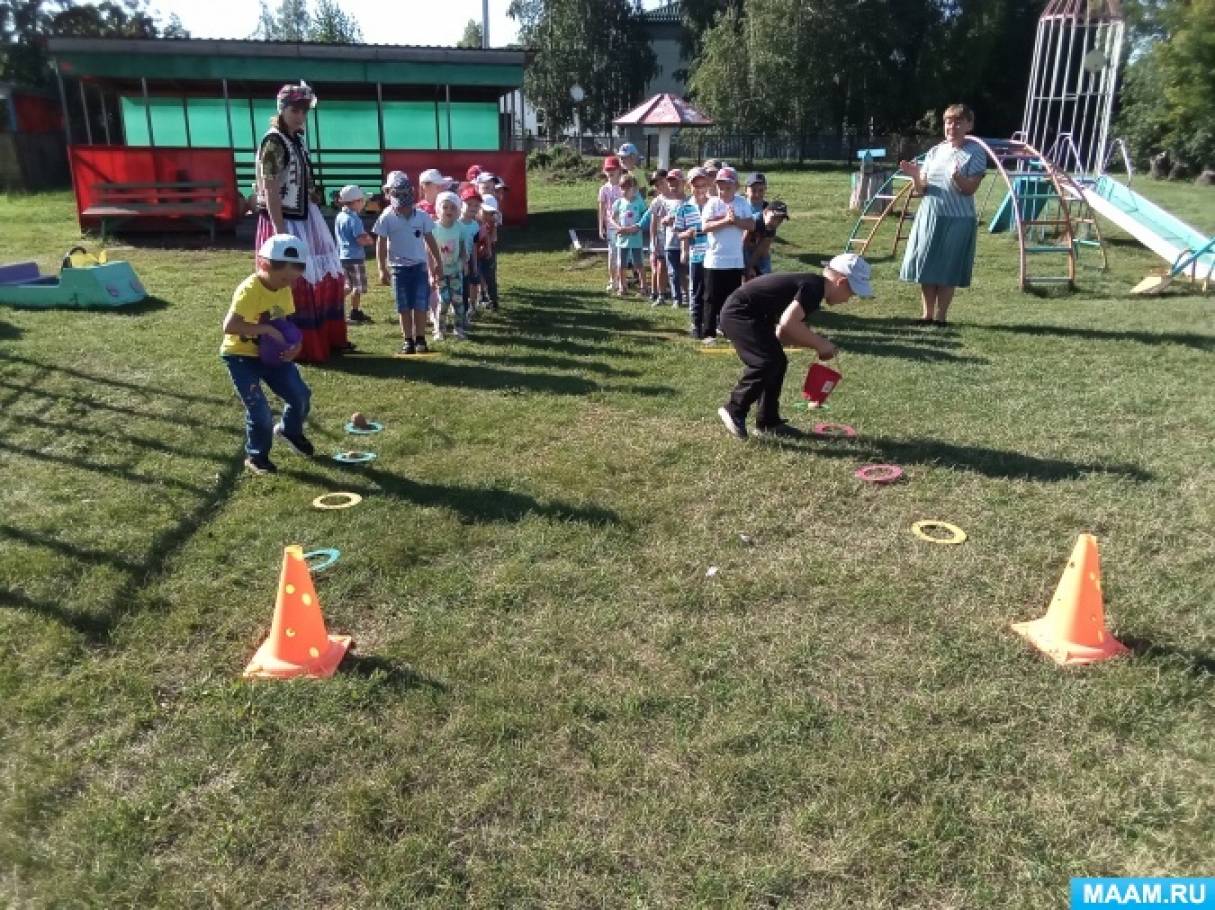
(473, 505)
(98, 379)
(1186, 339)
(138, 574)
(549, 362)
(10, 332)
(898, 337)
(549, 231)
(989, 462)
(96, 627)
(147, 305)
(380, 669)
(1200, 665)
(463, 374)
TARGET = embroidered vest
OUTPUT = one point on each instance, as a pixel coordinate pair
(296, 177)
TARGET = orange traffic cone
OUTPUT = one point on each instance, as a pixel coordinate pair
(298, 644)
(1073, 630)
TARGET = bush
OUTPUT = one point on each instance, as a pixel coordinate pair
(561, 164)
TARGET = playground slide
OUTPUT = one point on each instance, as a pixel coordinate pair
(1165, 235)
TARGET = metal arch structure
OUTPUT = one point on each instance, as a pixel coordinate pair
(1073, 78)
(1051, 220)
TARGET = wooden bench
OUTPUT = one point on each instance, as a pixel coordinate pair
(117, 203)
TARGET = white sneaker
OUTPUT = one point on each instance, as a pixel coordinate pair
(438, 336)
(461, 334)
(712, 339)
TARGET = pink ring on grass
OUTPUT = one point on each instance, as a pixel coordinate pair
(834, 431)
(879, 473)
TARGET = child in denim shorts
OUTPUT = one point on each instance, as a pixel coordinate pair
(403, 240)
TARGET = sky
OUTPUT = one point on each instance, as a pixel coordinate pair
(382, 21)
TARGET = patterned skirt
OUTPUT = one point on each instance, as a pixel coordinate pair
(319, 294)
(941, 249)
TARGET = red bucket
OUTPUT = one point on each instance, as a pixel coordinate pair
(820, 380)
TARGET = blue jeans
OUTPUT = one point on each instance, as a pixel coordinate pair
(284, 380)
(674, 276)
(411, 287)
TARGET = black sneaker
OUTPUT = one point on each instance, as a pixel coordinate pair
(782, 430)
(358, 316)
(737, 428)
(420, 345)
(695, 333)
(297, 441)
(407, 347)
(260, 465)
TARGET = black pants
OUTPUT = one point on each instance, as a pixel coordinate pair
(719, 284)
(696, 294)
(754, 338)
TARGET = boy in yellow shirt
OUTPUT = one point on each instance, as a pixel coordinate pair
(259, 346)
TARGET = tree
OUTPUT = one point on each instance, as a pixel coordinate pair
(1168, 95)
(815, 65)
(598, 44)
(291, 21)
(26, 24)
(472, 35)
(333, 26)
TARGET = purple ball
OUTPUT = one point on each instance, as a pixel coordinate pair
(270, 351)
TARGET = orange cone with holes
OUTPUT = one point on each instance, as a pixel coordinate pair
(299, 644)
(1073, 630)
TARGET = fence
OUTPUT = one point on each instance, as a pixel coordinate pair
(744, 149)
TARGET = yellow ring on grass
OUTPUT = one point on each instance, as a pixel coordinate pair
(958, 535)
(345, 501)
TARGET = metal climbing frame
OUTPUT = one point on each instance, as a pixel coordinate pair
(897, 193)
(1044, 215)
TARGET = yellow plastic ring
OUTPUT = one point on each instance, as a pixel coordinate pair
(344, 501)
(919, 529)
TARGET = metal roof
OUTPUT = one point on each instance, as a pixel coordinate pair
(213, 59)
(668, 12)
(664, 109)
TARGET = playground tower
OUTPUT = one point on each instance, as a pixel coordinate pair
(1072, 82)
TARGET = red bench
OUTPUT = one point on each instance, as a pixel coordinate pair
(117, 203)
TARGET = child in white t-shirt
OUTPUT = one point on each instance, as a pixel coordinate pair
(725, 218)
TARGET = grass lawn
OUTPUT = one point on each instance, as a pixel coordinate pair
(551, 702)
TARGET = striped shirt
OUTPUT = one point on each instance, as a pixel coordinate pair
(970, 161)
(688, 218)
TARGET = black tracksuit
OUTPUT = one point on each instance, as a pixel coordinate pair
(749, 319)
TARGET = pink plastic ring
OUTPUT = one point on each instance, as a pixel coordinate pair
(834, 431)
(879, 473)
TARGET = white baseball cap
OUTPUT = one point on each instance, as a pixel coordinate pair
(352, 192)
(284, 248)
(856, 270)
(489, 203)
(486, 177)
(448, 196)
(430, 175)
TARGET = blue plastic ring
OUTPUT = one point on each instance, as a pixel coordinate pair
(330, 557)
(373, 426)
(354, 457)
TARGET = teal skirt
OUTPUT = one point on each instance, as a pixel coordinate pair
(940, 250)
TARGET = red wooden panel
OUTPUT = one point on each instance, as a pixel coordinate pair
(510, 166)
(93, 164)
(36, 114)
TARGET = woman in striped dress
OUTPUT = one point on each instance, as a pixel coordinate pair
(285, 205)
(940, 252)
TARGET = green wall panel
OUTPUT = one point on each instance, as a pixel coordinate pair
(333, 127)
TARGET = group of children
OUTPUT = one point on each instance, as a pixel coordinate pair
(438, 253)
(697, 226)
